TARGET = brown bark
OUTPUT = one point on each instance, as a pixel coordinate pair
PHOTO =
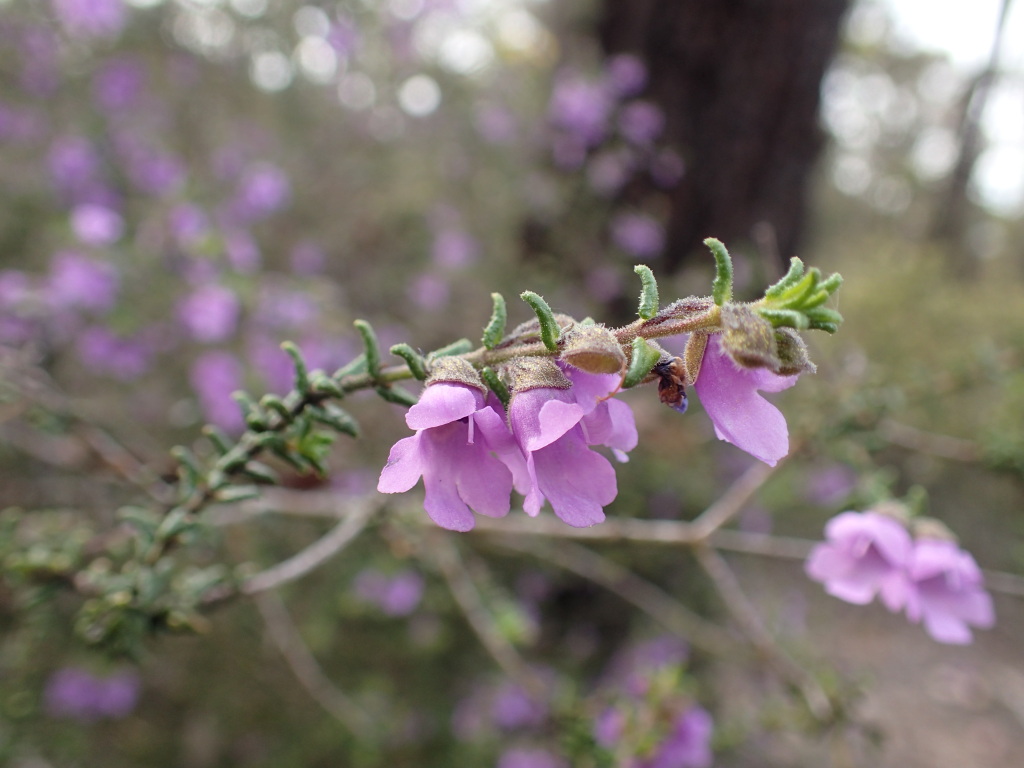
(739, 81)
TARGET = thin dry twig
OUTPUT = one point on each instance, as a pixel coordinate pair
(285, 635)
(467, 597)
(736, 602)
(648, 597)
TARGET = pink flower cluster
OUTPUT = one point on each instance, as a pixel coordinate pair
(471, 453)
(934, 581)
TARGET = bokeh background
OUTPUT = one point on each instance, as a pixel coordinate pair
(187, 183)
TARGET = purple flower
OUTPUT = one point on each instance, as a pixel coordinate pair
(209, 313)
(626, 75)
(214, 376)
(641, 122)
(947, 593)
(638, 235)
(397, 595)
(79, 695)
(740, 415)
(554, 429)
(456, 433)
(866, 554)
(96, 224)
(77, 281)
(687, 746)
(91, 18)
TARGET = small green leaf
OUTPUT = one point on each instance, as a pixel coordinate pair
(549, 331)
(372, 347)
(495, 330)
(460, 347)
(791, 278)
(643, 359)
(301, 373)
(721, 288)
(649, 301)
(496, 386)
(398, 395)
(412, 358)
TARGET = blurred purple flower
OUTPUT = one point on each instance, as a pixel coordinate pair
(528, 757)
(740, 415)
(96, 224)
(948, 592)
(687, 746)
(429, 292)
(667, 168)
(865, 554)
(580, 107)
(102, 351)
(209, 313)
(79, 282)
(555, 429)
(74, 164)
(641, 122)
(91, 18)
(638, 234)
(456, 433)
(214, 376)
(263, 189)
(308, 259)
(626, 75)
(454, 248)
(119, 83)
(397, 595)
(79, 695)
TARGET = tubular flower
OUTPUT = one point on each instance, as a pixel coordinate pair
(729, 394)
(459, 439)
(866, 554)
(948, 593)
(556, 414)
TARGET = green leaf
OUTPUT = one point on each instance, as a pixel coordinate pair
(643, 359)
(649, 301)
(495, 330)
(549, 331)
(721, 288)
(372, 347)
(412, 358)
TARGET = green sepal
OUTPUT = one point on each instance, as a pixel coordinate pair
(785, 317)
(649, 301)
(261, 472)
(335, 417)
(721, 287)
(495, 330)
(496, 385)
(549, 331)
(372, 347)
(643, 359)
(235, 493)
(460, 347)
(415, 361)
(354, 367)
(398, 395)
(791, 278)
(301, 372)
(218, 438)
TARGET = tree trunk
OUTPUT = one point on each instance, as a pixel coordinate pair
(739, 81)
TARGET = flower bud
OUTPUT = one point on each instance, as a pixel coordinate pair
(793, 357)
(748, 338)
(454, 370)
(594, 349)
